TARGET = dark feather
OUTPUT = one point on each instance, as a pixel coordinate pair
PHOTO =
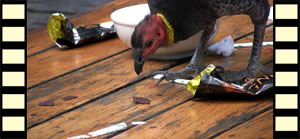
(188, 17)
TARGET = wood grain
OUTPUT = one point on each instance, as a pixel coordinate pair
(199, 119)
(55, 62)
(260, 127)
(105, 88)
(52, 63)
(114, 108)
(103, 77)
(89, 79)
(84, 85)
(87, 83)
(268, 36)
(234, 26)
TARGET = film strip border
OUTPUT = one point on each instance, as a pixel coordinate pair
(286, 66)
(13, 69)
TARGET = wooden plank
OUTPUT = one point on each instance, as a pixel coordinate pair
(110, 74)
(268, 36)
(87, 83)
(65, 86)
(55, 62)
(234, 26)
(116, 107)
(38, 39)
(52, 63)
(199, 119)
(260, 127)
(76, 85)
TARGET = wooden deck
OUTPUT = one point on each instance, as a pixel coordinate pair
(102, 76)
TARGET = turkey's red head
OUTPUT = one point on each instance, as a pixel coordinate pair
(148, 36)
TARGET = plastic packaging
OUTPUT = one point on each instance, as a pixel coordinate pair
(224, 47)
(65, 35)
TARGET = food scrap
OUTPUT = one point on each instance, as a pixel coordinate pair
(69, 98)
(141, 100)
(46, 103)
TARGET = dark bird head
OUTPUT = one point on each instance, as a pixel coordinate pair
(148, 36)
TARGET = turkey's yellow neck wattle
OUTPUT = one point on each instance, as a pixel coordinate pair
(169, 27)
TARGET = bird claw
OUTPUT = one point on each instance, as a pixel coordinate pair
(187, 73)
(238, 75)
(160, 80)
(164, 77)
(266, 70)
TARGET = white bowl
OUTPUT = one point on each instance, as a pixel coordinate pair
(127, 18)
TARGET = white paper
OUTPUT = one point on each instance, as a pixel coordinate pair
(138, 122)
(110, 129)
(180, 81)
(225, 47)
(250, 44)
(271, 13)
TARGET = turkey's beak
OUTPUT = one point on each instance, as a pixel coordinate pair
(138, 61)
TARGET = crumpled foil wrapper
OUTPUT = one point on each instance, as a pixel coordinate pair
(65, 35)
(210, 84)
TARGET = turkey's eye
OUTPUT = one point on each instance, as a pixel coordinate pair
(157, 34)
(148, 43)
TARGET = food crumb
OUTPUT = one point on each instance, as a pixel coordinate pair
(47, 103)
(69, 98)
(141, 100)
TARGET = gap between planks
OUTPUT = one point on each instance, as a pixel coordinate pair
(101, 59)
(145, 78)
(88, 18)
(141, 78)
(191, 99)
(242, 122)
(259, 127)
(79, 68)
(210, 128)
(54, 46)
(178, 64)
(156, 114)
